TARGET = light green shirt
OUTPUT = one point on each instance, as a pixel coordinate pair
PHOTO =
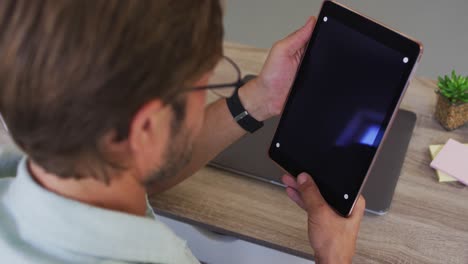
(38, 226)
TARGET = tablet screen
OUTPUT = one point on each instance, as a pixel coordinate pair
(344, 95)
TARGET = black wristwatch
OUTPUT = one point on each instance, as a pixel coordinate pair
(241, 116)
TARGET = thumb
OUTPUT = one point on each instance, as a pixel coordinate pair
(310, 193)
(299, 38)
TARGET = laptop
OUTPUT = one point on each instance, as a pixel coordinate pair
(248, 157)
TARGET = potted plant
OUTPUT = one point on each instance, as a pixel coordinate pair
(452, 104)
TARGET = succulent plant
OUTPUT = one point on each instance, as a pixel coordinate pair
(454, 88)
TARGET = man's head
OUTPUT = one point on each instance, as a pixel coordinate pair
(89, 88)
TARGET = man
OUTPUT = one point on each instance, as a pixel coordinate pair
(100, 97)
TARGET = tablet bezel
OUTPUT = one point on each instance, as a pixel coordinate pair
(381, 33)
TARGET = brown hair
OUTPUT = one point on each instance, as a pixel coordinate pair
(73, 70)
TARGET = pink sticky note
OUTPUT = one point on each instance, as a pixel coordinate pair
(453, 160)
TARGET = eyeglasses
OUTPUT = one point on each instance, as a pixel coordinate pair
(225, 79)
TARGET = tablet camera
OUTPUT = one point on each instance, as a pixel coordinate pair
(325, 19)
(405, 59)
(277, 144)
(346, 196)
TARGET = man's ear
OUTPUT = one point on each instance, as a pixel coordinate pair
(149, 132)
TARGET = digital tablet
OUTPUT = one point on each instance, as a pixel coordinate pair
(351, 80)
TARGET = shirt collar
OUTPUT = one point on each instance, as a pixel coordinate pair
(45, 217)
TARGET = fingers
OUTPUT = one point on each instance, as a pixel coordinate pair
(296, 197)
(359, 207)
(297, 40)
(291, 190)
(289, 180)
(309, 192)
(303, 192)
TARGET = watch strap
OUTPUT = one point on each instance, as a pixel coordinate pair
(241, 115)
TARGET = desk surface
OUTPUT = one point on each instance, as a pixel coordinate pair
(428, 221)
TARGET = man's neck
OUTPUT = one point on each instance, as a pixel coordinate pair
(124, 194)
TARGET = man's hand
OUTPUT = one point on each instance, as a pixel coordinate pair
(332, 237)
(265, 96)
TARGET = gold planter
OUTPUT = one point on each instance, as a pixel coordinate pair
(450, 115)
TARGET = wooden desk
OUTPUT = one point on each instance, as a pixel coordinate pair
(428, 221)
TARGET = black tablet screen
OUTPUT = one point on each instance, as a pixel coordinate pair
(342, 99)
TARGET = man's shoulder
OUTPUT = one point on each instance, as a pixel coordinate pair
(10, 240)
(6, 180)
(13, 248)
(4, 184)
